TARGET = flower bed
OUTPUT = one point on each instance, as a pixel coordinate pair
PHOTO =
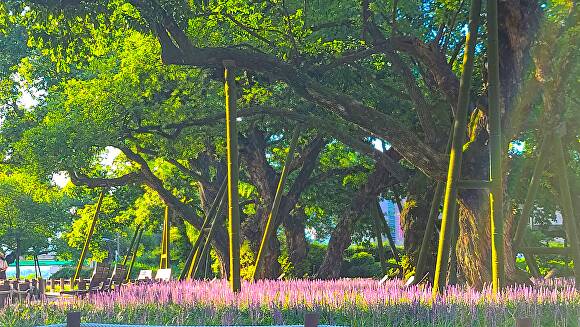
(343, 302)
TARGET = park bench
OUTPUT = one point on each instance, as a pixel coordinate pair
(118, 278)
(145, 276)
(21, 289)
(5, 293)
(97, 282)
(163, 275)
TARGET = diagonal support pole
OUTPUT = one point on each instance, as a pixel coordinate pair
(134, 256)
(88, 239)
(532, 191)
(453, 249)
(430, 227)
(456, 153)
(194, 253)
(428, 235)
(379, 235)
(570, 221)
(204, 249)
(268, 231)
(132, 244)
(387, 229)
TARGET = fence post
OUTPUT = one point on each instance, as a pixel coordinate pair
(311, 320)
(73, 319)
(42, 286)
(523, 322)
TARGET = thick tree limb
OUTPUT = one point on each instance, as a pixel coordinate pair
(93, 182)
(177, 49)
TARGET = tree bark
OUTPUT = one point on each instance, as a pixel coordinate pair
(414, 218)
(296, 243)
(262, 175)
(18, 254)
(518, 22)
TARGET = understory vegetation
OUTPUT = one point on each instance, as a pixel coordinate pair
(355, 303)
(113, 114)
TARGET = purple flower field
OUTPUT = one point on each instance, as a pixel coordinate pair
(359, 302)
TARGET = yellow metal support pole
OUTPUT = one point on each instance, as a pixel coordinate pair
(204, 249)
(268, 231)
(134, 256)
(233, 175)
(164, 262)
(130, 250)
(495, 151)
(88, 239)
(456, 153)
(195, 250)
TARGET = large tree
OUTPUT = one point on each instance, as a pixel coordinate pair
(349, 69)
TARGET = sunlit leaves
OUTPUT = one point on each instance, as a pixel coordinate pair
(31, 213)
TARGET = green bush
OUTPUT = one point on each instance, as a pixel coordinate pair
(69, 272)
(361, 264)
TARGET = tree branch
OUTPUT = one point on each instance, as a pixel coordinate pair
(94, 182)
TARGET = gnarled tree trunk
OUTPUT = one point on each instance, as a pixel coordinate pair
(414, 218)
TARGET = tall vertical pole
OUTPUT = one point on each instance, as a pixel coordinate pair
(456, 153)
(233, 175)
(164, 262)
(495, 151)
(268, 231)
(570, 221)
(88, 239)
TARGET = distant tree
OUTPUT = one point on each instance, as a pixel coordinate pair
(31, 216)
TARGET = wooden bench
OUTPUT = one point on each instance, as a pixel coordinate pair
(163, 275)
(98, 282)
(145, 276)
(118, 278)
(21, 289)
(5, 293)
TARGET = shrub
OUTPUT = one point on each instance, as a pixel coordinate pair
(69, 272)
(361, 264)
